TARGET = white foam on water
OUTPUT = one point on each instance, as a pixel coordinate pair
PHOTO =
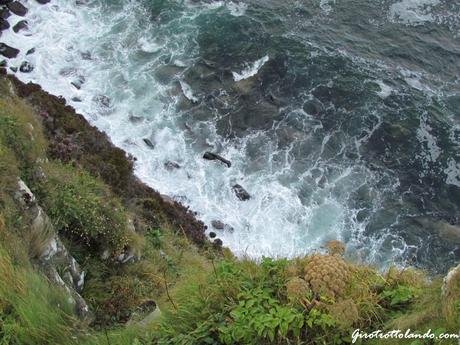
(326, 5)
(453, 173)
(237, 9)
(251, 69)
(413, 12)
(385, 90)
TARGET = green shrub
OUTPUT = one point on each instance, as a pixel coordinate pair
(83, 207)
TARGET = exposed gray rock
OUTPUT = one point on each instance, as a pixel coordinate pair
(49, 252)
(448, 280)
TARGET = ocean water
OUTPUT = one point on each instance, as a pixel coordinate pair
(340, 118)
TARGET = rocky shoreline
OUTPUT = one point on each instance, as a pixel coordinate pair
(72, 138)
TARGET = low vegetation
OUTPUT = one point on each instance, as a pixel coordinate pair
(205, 294)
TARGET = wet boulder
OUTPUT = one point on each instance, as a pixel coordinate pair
(30, 51)
(449, 233)
(21, 25)
(212, 234)
(4, 13)
(4, 25)
(42, 2)
(17, 8)
(149, 143)
(78, 82)
(213, 156)
(26, 67)
(8, 51)
(241, 193)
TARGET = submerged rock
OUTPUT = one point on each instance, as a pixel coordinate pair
(8, 51)
(213, 156)
(30, 51)
(103, 100)
(78, 82)
(241, 193)
(449, 233)
(17, 8)
(217, 224)
(170, 166)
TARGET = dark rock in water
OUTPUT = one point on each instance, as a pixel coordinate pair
(241, 193)
(26, 67)
(4, 25)
(229, 228)
(218, 242)
(217, 224)
(14, 69)
(212, 234)
(30, 51)
(5, 2)
(68, 71)
(4, 13)
(76, 99)
(21, 25)
(212, 157)
(78, 82)
(86, 56)
(7, 51)
(313, 107)
(43, 1)
(149, 143)
(17, 8)
(135, 119)
(169, 165)
(103, 100)
(3, 63)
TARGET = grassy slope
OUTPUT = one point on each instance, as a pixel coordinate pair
(207, 296)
